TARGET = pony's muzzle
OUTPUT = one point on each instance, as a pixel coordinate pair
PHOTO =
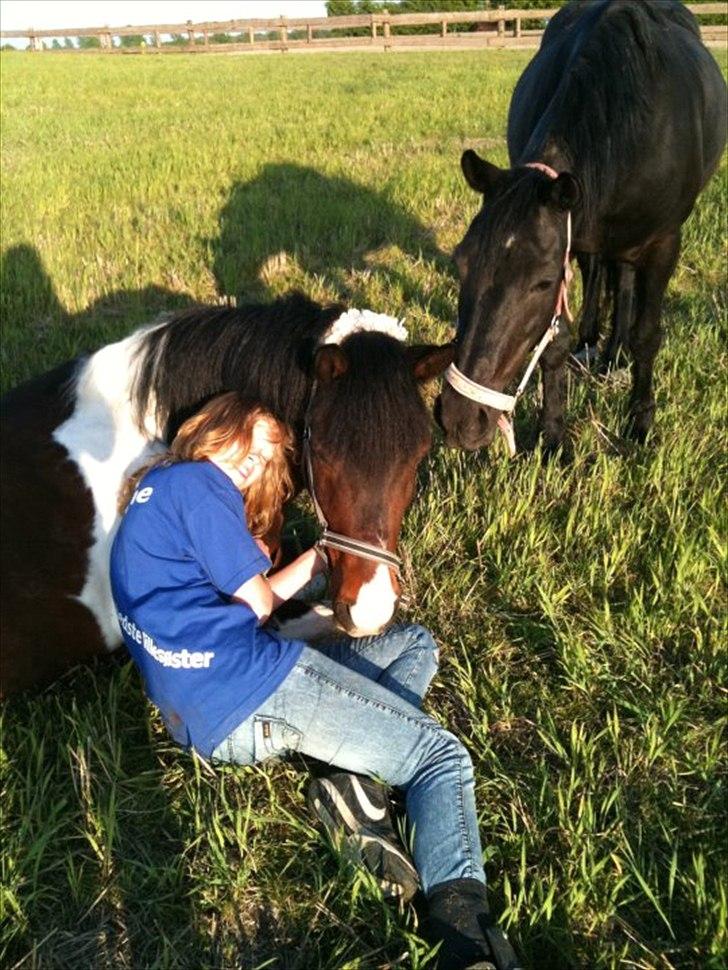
(343, 615)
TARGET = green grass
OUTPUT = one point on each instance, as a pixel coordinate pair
(580, 609)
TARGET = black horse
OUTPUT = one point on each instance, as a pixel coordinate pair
(624, 101)
(70, 437)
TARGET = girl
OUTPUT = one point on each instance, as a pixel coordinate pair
(188, 573)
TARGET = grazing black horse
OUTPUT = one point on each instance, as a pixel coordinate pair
(627, 109)
(70, 437)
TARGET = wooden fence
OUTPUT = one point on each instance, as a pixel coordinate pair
(499, 27)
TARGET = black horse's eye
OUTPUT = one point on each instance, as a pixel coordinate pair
(543, 285)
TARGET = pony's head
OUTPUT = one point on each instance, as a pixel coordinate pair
(368, 431)
(510, 264)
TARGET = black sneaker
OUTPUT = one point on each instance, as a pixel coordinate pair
(355, 813)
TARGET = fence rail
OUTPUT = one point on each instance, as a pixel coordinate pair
(498, 27)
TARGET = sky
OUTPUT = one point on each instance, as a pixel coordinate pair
(42, 14)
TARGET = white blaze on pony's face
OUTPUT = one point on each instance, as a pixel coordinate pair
(375, 604)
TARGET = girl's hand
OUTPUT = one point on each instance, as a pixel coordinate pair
(264, 548)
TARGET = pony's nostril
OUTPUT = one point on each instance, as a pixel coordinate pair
(342, 612)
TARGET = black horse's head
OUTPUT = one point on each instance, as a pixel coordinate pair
(511, 264)
(369, 430)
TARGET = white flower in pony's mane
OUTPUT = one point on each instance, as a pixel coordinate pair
(359, 321)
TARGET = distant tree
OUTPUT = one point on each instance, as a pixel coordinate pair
(68, 44)
(132, 40)
(56, 45)
(88, 43)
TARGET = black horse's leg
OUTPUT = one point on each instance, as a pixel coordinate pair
(592, 268)
(553, 373)
(622, 313)
(653, 275)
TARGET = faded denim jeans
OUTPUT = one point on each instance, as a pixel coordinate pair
(355, 704)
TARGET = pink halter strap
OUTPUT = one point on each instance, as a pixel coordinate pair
(562, 300)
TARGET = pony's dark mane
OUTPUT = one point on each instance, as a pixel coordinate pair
(611, 68)
(262, 351)
(373, 414)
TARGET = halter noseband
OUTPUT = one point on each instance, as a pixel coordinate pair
(335, 540)
(506, 403)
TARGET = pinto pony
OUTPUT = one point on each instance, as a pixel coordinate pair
(614, 128)
(70, 438)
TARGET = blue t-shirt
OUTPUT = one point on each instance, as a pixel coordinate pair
(183, 547)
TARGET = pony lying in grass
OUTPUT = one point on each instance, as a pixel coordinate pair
(70, 438)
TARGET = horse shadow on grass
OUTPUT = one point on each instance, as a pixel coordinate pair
(39, 332)
(291, 223)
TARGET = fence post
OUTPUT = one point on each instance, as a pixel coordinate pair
(190, 34)
(501, 23)
(206, 37)
(387, 42)
(517, 28)
(251, 35)
(309, 34)
(157, 40)
(284, 33)
(373, 28)
(443, 28)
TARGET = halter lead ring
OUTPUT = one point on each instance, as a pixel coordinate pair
(506, 403)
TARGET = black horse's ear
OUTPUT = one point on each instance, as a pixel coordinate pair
(479, 174)
(563, 192)
(429, 360)
(329, 363)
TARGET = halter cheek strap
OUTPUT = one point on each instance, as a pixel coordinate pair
(506, 403)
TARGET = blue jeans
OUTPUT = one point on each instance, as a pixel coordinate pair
(355, 704)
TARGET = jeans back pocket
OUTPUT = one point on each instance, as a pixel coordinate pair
(274, 738)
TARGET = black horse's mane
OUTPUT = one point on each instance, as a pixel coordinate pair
(264, 351)
(603, 54)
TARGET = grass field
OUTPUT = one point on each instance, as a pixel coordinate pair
(580, 609)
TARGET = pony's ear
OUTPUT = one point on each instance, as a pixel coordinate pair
(429, 360)
(563, 192)
(479, 174)
(329, 363)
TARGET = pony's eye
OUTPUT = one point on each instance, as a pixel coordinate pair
(543, 285)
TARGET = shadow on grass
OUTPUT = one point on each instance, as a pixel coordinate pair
(324, 226)
(39, 332)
